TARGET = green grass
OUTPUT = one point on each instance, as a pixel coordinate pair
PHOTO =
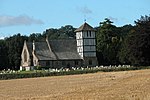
(42, 73)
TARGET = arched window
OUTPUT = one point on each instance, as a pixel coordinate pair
(25, 56)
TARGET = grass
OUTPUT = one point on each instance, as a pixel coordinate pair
(43, 73)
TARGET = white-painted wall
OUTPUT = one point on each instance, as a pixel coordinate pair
(28, 62)
(27, 68)
(80, 42)
(79, 35)
(86, 45)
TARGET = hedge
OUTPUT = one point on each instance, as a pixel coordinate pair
(71, 72)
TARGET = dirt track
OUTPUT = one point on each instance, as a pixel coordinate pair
(127, 85)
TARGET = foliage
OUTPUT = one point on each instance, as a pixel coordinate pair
(136, 47)
(11, 47)
(115, 45)
(45, 73)
(14, 45)
(108, 42)
(64, 32)
(122, 53)
(3, 54)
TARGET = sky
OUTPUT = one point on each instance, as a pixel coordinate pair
(35, 16)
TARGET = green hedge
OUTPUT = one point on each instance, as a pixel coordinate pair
(43, 74)
(72, 72)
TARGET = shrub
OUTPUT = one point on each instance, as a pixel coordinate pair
(37, 73)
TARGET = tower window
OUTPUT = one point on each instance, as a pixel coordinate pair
(87, 33)
(90, 33)
(90, 62)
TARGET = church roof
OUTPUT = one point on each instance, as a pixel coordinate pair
(59, 50)
(29, 46)
(65, 49)
(42, 51)
(85, 27)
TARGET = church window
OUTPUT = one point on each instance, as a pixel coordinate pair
(25, 56)
(63, 63)
(76, 63)
(68, 65)
(56, 63)
(47, 63)
(90, 62)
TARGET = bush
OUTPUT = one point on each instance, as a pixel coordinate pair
(32, 74)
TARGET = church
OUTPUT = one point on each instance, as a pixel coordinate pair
(79, 52)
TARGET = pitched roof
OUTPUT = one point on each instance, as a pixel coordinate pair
(42, 51)
(85, 27)
(65, 49)
(59, 50)
(29, 46)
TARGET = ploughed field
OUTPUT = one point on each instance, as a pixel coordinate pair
(125, 85)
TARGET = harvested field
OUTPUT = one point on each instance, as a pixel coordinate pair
(126, 85)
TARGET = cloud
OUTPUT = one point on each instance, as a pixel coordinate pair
(2, 38)
(85, 10)
(6, 20)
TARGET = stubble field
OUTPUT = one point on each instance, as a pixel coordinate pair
(126, 85)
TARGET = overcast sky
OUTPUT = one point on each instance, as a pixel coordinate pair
(35, 16)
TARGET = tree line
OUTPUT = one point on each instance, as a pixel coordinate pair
(128, 44)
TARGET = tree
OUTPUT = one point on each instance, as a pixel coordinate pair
(137, 43)
(36, 37)
(3, 55)
(68, 30)
(64, 32)
(15, 45)
(107, 43)
(123, 51)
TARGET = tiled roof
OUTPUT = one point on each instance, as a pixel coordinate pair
(85, 27)
(60, 50)
(65, 49)
(29, 46)
(42, 51)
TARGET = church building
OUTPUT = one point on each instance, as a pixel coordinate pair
(79, 52)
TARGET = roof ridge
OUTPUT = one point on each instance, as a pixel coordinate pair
(85, 27)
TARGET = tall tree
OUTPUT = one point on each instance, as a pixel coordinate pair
(64, 32)
(3, 55)
(15, 45)
(137, 43)
(107, 43)
(123, 52)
